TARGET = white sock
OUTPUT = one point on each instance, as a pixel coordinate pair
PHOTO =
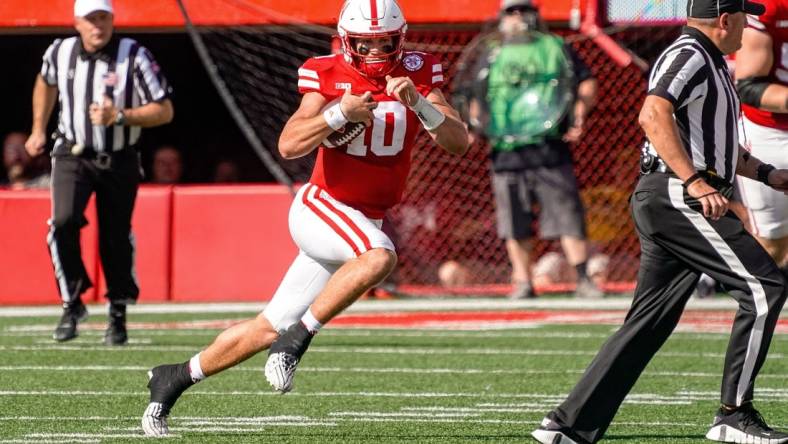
(310, 322)
(195, 371)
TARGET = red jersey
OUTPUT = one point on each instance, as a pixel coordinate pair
(775, 23)
(369, 173)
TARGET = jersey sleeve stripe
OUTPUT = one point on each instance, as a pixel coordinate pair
(437, 68)
(753, 22)
(303, 83)
(303, 72)
(436, 79)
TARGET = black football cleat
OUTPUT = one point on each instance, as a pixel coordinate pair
(73, 314)
(284, 355)
(746, 426)
(166, 384)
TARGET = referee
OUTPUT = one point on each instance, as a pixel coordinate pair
(108, 88)
(680, 208)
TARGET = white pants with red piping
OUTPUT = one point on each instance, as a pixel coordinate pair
(768, 207)
(328, 233)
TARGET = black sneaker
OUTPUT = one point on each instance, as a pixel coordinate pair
(284, 355)
(166, 383)
(116, 333)
(73, 314)
(746, 426)
(550, 432)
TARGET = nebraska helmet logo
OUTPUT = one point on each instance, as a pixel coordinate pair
(412, 62)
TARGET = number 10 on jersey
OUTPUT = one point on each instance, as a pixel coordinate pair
(388, 131)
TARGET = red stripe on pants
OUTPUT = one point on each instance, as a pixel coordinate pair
(328, 220)
(345, 218)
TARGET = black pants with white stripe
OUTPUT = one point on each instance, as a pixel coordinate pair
(74, 180)
(677, 244)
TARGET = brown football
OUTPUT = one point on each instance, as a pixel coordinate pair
(344, 135)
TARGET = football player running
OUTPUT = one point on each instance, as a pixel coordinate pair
(762, 81)
(361, 109)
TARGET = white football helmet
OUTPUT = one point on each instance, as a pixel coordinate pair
(372, 19)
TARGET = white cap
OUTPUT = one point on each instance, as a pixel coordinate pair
(83, 8)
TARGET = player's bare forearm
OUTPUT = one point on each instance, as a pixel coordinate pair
(301, 135)
(451, 135)
(44, 97)
(747, 165)
(775, 98)
(150, 114)
(656, 119)
(754, 62)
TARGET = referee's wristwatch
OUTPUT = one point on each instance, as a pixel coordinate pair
(120, 118)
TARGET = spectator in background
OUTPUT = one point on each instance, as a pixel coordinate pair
(227, 171)
(531, 97)
(23, 171)
(167, 165)
(553, 268)
(454, 274)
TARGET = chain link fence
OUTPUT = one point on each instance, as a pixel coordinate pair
(448, 213)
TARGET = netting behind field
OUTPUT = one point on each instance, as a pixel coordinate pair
(448, 212)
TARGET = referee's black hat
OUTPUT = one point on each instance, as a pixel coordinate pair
(715, 8)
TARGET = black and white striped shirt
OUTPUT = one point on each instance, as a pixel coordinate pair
(123, 70)
(692, 74)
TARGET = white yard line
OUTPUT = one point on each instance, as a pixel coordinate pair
(51, 441)
(370, 370)
(45, 330)
(84, 435)
(403, 414)
(371, 306)
(368, 350)
(761, 393)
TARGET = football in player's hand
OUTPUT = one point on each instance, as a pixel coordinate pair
(344, 135)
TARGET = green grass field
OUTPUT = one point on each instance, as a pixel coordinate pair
(354, 386)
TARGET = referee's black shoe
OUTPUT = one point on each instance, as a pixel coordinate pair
(73, 314)
(745, 425)
(166, 384)
(116, 333)
(550, 432)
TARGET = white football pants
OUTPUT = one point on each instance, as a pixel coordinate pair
(768, 208)
(328, 233)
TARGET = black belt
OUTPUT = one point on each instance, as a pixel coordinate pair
(650, 163)
(102, 160)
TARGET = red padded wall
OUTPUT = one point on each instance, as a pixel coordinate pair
(230, 243)
(198, 243)
(26, 272)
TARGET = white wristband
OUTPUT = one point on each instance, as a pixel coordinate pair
(335, 118)
(430, 116)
